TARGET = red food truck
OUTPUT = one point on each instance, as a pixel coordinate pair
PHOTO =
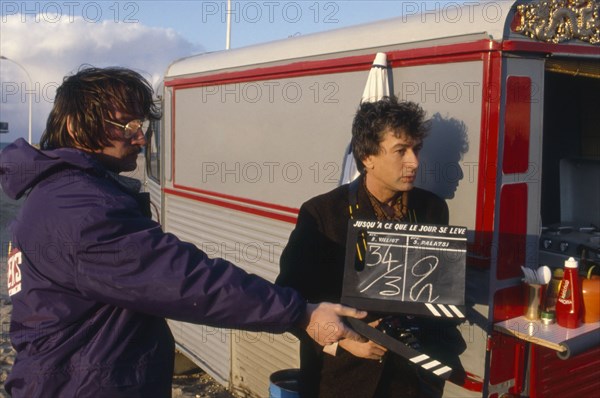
(512, 88)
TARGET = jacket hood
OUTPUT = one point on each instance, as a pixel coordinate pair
(22, 165)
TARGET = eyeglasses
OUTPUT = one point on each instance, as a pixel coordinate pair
(131, 128)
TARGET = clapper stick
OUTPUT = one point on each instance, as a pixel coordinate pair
(417, 358)
(388, 307)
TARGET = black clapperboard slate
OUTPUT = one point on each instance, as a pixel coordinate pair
(401, 268)
(416, 269)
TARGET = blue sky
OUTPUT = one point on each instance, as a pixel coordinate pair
(261, 21)
(50, 39)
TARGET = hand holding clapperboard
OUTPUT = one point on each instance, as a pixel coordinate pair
(400, 268)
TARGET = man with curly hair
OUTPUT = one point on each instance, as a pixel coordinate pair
(387, 136)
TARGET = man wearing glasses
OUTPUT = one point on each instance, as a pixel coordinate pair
(93, 277)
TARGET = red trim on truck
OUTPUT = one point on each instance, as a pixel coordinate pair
(267, 210)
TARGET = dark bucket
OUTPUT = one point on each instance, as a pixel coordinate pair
(285, 384)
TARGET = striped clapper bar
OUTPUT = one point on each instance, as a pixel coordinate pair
(419, 359)
(431, 310)
(446, 310)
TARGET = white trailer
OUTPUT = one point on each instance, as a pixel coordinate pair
(249, 134)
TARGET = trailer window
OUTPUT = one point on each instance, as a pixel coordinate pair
(153, 150)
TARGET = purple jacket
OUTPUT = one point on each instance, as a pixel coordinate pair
(98, 277)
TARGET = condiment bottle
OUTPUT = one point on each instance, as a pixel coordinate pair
(568, 304)
(552, 291)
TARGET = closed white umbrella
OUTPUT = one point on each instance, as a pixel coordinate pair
(377, 87)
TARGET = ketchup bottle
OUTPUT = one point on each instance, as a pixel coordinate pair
(568, 304)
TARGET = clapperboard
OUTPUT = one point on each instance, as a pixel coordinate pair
(401, 268)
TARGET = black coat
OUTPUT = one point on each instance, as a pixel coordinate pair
(313, 263)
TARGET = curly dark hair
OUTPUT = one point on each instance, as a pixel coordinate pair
(374, 119)
(86, 98)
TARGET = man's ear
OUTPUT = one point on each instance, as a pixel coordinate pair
(367, 162)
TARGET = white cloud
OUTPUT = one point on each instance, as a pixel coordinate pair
(50, 48)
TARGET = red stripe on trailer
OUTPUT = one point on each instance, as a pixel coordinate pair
(418, 56)
(239, 206)
(254, 202)
(550, 48)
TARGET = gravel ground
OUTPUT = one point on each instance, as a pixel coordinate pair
(198, 385)
(6, 351)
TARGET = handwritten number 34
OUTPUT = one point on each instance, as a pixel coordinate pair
(420, 269)
(391, 280)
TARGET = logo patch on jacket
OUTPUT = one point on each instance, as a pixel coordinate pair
(14, 271)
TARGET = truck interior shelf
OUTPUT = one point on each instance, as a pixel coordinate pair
(567, 342)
